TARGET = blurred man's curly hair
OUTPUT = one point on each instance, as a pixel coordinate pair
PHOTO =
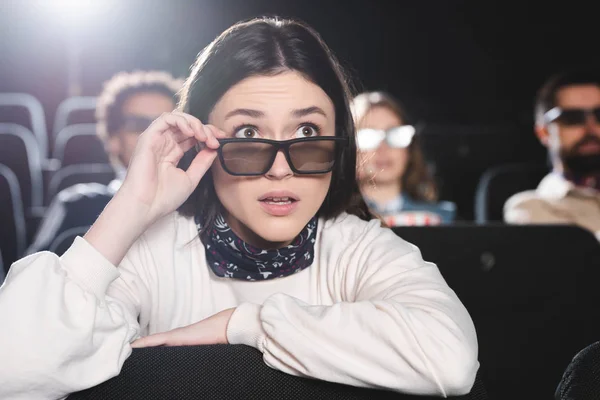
(116, 91)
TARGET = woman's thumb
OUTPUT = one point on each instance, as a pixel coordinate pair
(200, 164)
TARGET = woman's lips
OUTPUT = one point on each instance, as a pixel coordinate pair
(279, 207)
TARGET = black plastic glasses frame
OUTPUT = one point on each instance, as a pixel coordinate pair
(283, 145)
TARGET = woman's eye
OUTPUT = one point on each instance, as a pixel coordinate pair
(306, 131)
(246, 133)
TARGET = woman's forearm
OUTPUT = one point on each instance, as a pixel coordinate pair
(117, 228)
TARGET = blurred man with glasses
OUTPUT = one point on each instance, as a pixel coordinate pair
(127, 105)
(568, 124)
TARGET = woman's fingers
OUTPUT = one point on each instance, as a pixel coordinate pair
(176, 337)
(178, 137)
(187, 144)
(193, 122)
(202, 133)
(212, 135)
(207, 134)
(187, 130)
(216, 134)
(169, 121)
(188, 126)
(200, 164)
(158, 339)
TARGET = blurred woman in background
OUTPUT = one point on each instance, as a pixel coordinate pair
(393, 174)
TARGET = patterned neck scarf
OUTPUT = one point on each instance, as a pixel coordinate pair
(230, 257)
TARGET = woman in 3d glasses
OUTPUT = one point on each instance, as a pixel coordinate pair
(393, 175)
(263, 240)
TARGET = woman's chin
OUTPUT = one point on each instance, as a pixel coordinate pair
(278, 231)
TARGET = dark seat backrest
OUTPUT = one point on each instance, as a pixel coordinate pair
(74, 110)
(581, 380)
(25, 110)
(225, 372)
(79, 173)
(79, 144)
(498, 184)
(532, 294)
(19, 152)
(12, 218)
(16, 115)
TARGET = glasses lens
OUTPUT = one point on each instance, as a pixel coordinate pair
(401, 136)
(252, 158)
(571, 117)
(313, 156)
(369, 139)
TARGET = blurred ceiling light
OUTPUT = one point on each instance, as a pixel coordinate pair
(73, 12)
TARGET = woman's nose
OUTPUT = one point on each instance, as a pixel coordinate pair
(280, 168)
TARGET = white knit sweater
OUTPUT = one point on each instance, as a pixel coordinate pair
(368, 312)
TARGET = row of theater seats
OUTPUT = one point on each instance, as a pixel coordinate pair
(36, 155)
(76, 145)
(36, 164)
(531, 291)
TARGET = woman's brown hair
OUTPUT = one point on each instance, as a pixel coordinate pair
(417, 181)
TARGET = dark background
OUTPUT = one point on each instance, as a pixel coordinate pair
(458, 66)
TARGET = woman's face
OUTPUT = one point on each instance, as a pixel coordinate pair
(386, 164)
(270, 210)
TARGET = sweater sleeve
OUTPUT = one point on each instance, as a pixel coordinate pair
(60, 331)
(399, 326)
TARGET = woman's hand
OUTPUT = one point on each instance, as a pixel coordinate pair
(153, 181)
(154, 186)
(212, 330)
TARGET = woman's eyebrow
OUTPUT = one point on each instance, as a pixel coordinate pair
(302, 112)
(245, 112)
(298, 113)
